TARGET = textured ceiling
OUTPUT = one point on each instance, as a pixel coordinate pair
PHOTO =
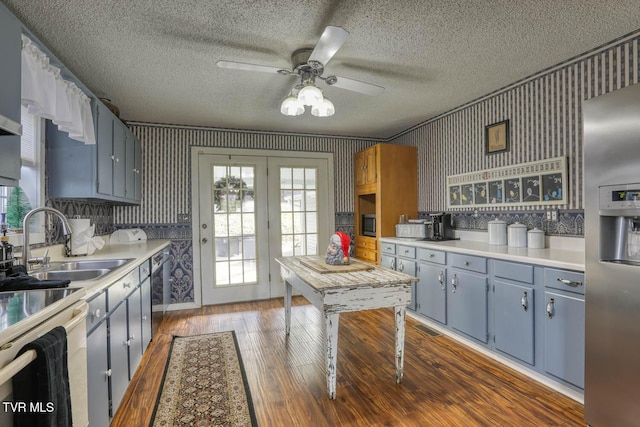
(156, 58)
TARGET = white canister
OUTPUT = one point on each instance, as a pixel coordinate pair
(535, 239)
(518, 235)
(497, 232)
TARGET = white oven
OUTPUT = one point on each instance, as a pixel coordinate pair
(68, 311)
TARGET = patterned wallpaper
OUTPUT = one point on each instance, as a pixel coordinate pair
(545, 113)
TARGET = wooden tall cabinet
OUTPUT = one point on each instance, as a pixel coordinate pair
(386, 184)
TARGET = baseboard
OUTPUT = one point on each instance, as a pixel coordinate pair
(561, 388)
(182, 306)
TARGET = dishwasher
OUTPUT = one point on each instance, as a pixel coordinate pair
(160, 287)
(39, 312)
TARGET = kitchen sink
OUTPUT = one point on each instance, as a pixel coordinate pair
(91, 264)
(86, 274)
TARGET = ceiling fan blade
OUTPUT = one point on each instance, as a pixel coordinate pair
(357, 86)
(330, 42)
(250, 67)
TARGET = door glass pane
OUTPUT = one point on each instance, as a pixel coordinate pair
(298, 214)
(234, 225)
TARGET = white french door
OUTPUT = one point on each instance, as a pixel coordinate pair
(251, 210)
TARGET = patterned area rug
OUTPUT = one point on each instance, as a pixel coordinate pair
(204, 384)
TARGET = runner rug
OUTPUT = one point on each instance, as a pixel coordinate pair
(204, 384)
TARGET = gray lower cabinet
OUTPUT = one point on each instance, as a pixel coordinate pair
(564, 325)
(514, 310)
(468, 304)
(513, 316)
(118, 354)
(468, 295)
(10, 48)
(98, 376)
(406, 263)
(116, 341)
(431, 291)
(531, 314)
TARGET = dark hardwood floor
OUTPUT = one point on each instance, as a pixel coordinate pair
(445, 383)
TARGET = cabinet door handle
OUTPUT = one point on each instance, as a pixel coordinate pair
(454, 283)
(524, 301)
(551, 308)
(401, 267)
(391, 266)
(144, 317)
(573, 283)
(127, 343)
(107, 374)
(441, 280)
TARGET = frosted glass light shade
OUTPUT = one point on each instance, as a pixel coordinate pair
(310, 95)
(324, 109)
(291, 106)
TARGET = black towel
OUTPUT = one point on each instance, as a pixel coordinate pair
(44, 383)
(23, 282)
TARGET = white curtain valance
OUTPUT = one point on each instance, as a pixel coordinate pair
(46, 94)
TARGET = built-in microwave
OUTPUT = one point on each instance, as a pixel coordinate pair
(369, 225)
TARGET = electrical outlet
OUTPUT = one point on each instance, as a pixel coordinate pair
(554, 215)
(184, 217)
(548, 215)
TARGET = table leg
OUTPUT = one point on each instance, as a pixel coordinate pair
(400, 312)
(331, 322)
(287, 306)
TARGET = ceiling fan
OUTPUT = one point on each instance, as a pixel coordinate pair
(309, 64)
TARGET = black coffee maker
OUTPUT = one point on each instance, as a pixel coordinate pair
(442, 227)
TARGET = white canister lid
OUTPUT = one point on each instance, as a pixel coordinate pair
(517, 225)
(536, 230)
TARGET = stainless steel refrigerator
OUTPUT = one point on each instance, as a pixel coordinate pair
(612, 258)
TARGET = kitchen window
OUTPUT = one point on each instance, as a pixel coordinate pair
(31, 172)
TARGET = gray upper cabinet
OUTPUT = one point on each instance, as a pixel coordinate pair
(103, 171)
(10, 48)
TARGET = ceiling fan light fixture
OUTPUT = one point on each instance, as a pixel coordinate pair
(291, 106)
(324, 109)
(310, 95)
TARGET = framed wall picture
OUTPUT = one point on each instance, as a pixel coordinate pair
(496, 137)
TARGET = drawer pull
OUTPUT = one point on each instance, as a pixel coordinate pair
(126, 285)
(96, 314)
(573, 283)
(466, 263)
(550, 308)
(431, 255)
(406, 251)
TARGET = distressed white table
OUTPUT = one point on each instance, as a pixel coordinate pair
(336, 293)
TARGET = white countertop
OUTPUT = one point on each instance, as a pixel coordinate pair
(550, 257)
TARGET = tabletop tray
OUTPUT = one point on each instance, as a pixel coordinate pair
(318, 265)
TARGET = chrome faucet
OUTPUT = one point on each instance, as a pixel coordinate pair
(66, 229)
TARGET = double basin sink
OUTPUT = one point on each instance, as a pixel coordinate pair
(79, 269)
